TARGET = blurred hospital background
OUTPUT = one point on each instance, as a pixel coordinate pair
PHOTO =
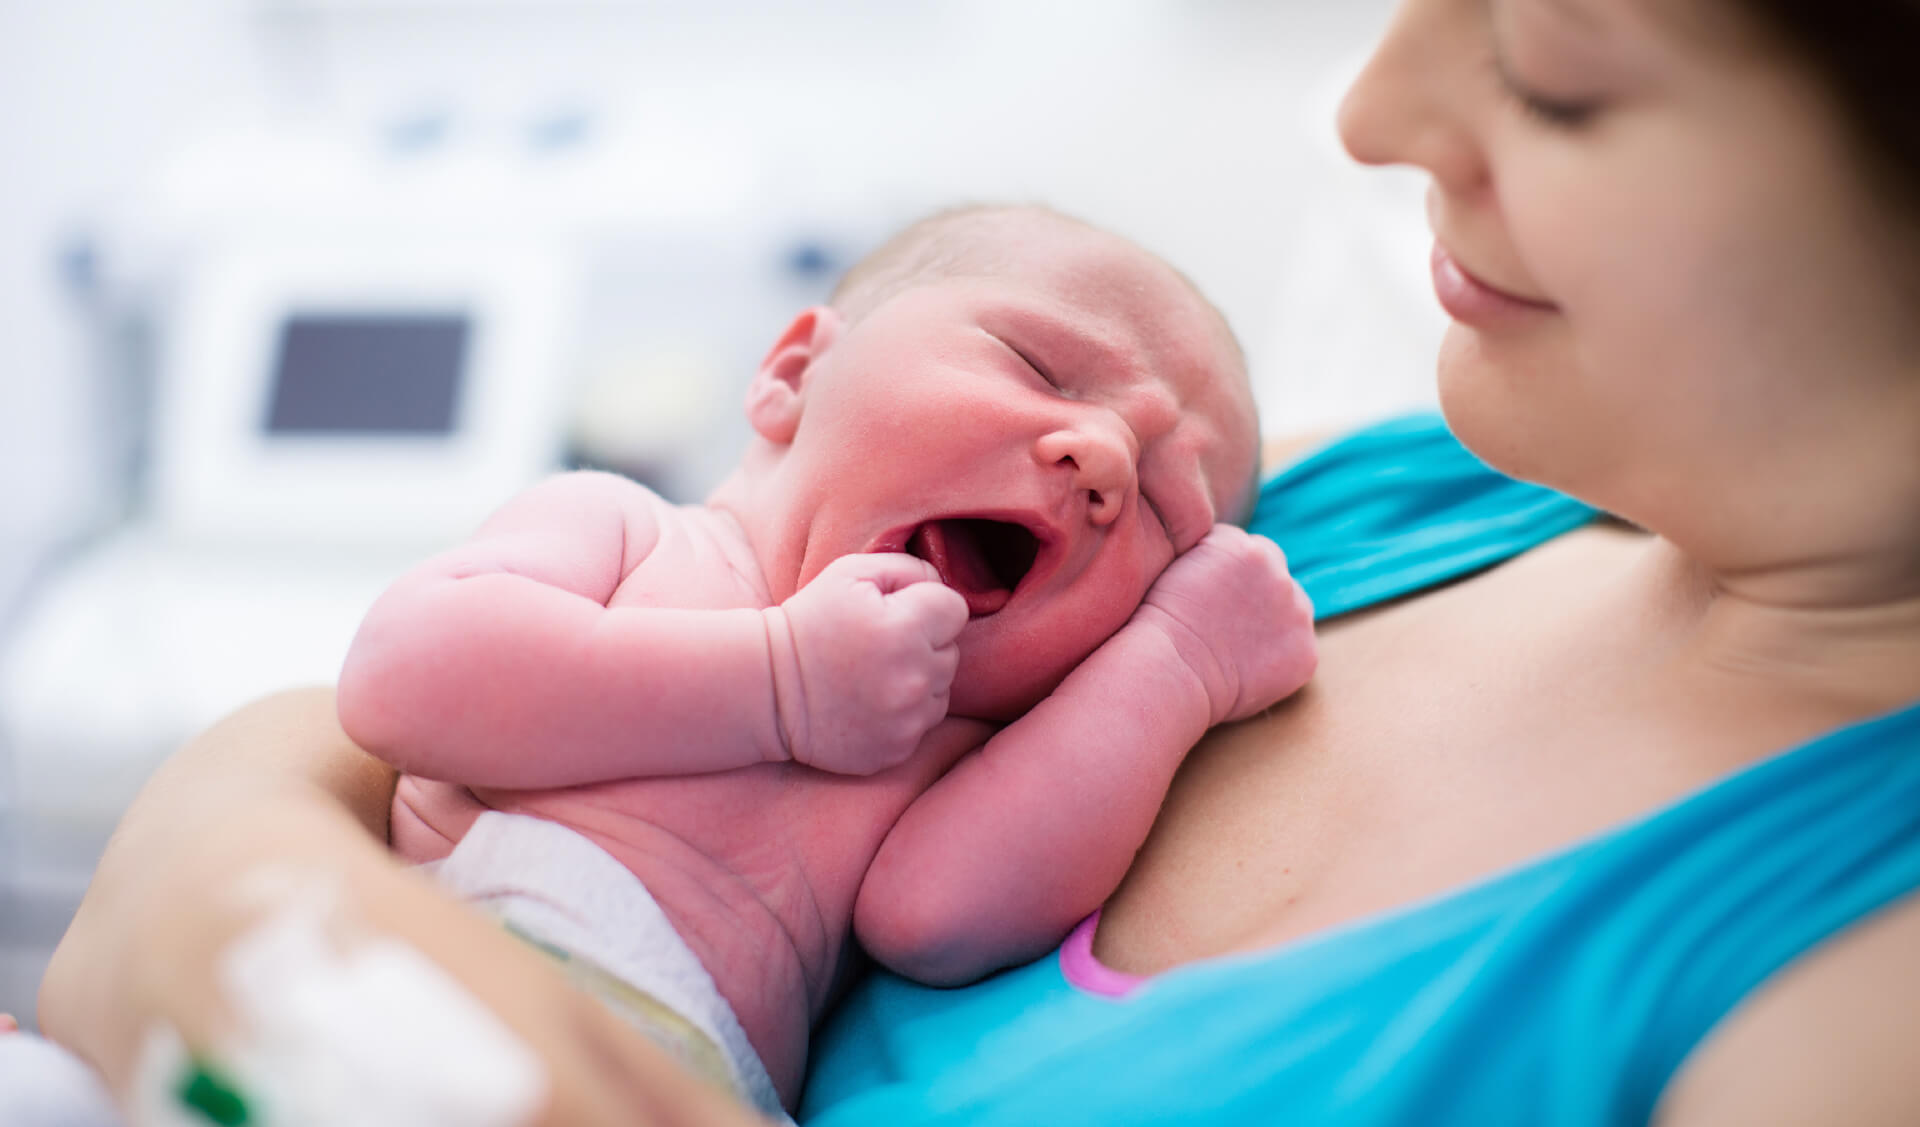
(293, 291)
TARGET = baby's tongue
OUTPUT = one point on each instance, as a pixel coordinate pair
(955, 552)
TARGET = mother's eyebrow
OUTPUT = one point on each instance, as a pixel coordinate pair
(1576, 12)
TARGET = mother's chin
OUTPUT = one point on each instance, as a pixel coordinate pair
(1522, 406)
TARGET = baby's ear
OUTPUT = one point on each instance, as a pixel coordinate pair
(774, 397)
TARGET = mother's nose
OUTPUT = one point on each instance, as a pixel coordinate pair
(1101, 460)
(1410, 103)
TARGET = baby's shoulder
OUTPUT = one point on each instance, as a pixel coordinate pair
(582, 502)
(697, 558)
(604, 489)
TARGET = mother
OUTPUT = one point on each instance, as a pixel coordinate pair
(1585, 820)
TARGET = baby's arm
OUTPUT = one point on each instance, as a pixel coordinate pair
(499, 663)
(1016, 844)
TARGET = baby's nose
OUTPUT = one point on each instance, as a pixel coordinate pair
(1101, 461)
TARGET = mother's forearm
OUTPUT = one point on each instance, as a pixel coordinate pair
(276, 797)
(275, 784)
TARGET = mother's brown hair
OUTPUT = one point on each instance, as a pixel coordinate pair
(1867, 55)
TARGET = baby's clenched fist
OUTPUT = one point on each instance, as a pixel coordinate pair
(1238, 620)
(863, 659)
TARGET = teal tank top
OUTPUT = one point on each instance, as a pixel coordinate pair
(1565, 992)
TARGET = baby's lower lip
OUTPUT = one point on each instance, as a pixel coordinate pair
(1471, 301)
(962, 566)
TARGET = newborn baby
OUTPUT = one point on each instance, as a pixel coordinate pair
(921, 667)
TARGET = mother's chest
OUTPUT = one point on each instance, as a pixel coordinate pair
(1428, 753)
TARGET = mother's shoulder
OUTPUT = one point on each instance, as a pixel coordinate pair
(1279, 451)
(1828, 1040)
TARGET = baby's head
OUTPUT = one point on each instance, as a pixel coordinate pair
(987, 241)
(1044, 411)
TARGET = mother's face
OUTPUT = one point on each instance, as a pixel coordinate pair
(1671, 286)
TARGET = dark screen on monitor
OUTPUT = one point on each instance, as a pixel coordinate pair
(368, 374)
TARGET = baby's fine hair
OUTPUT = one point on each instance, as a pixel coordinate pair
(948, 244)
(945, 244)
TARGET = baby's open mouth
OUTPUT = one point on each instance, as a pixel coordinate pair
(982, 559)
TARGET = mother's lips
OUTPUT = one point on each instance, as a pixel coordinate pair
(1468, 299)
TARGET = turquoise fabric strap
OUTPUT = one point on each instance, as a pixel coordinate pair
(1399, 507)
(1563, 993)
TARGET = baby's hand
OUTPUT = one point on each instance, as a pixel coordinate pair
(1241, 623)
(871, 650)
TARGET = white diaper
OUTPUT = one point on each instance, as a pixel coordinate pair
(570, 898)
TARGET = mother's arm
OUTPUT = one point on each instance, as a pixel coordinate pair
(278, 789)
(1829, 1040)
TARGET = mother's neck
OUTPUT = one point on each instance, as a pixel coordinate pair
(1842, 633)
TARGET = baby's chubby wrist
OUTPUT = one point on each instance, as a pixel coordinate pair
(860, 661)
(787, 724)
(1162, 648)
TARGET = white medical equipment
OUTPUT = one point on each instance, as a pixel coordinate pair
(365, 340)
(326, 413)
(328, 395)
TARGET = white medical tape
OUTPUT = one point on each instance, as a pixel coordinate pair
(373, 1035)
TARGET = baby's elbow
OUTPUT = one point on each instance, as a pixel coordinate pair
(382, 700)
(365, 705)
(391, 667)
(923, 937)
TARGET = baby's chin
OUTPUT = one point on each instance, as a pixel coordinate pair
(986, 689)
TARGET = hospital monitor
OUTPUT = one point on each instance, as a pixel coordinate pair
(361, 393)
(368, 373)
